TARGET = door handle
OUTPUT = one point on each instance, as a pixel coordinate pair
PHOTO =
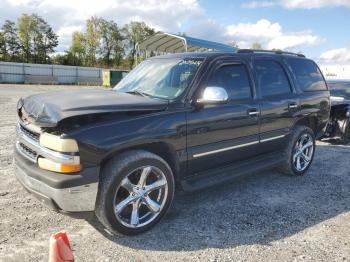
(253, 112)
(292, 106)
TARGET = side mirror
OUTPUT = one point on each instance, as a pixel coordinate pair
(213, 95)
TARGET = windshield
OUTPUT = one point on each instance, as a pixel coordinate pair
(340, 89)
(160, 78)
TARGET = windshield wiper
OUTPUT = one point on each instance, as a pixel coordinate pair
(137, 92)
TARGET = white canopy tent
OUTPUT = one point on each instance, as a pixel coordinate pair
(162, 43)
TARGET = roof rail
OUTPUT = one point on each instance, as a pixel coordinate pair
(278, 52)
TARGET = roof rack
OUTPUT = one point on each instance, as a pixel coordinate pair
(278, 52)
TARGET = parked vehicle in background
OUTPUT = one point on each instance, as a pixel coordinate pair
(339, 122)
(176, 122)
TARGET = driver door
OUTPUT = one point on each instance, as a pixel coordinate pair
(221, 134)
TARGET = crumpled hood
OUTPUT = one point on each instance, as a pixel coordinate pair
(47, 109)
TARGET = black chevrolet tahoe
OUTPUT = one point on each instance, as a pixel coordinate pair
(175, 122)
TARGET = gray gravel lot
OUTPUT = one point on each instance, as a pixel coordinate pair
(262, 217)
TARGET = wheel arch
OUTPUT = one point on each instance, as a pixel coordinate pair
(161, 149)
(310, 122)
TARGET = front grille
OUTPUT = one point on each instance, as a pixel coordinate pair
(27, 151)
(27, 141)
(33, 135)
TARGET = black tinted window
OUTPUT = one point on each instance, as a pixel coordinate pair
(234, 78)
(272, 78)
(309, 77)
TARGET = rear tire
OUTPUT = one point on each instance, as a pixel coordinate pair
(299, 152)
(136, 190)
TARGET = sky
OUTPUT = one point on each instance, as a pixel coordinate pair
(320, 29)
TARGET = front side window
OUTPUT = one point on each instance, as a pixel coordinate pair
(271, 78)
(233, 78)
(161, 78)
(307, 74)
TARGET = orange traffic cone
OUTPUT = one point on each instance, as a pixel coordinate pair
(60, 249)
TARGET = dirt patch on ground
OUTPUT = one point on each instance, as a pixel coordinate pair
(263, 217)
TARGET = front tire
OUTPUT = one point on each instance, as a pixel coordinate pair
(136, 190)
(299, 152)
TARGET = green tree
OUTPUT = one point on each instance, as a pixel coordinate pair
(66, 58)
(26, 27)
(2, 46)
(257, 46)
(277, 50)
(44, 40)
(49, 41)
(111, 47)
(37, 38)
(77, 49)
(93, 37)
(11, 46)
(136, 32)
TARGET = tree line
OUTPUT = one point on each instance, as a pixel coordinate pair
(31, 40)
(103, 43)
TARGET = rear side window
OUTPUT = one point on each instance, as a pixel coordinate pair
(272, 78)
(234, 78)
(307, 74)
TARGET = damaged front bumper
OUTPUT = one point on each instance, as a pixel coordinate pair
(63, 192)
(69, 193)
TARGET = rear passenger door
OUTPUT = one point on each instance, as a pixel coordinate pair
(278, 102)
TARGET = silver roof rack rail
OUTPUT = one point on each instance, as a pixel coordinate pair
(278, 52)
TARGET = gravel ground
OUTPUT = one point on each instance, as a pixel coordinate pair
(262, 217)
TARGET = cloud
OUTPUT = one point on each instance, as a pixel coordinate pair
(259, 4)
(336, 56)
(297, 4)
(293, 40)
(208, 29)
(309, 4)
(65, 31)
(270, 35)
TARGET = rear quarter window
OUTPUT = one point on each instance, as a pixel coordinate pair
(307, 74)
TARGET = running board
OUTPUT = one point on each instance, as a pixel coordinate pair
(221, 175)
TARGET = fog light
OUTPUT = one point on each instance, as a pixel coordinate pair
(50, 165)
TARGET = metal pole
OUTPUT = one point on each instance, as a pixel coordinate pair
(76, 74)
(24, 72)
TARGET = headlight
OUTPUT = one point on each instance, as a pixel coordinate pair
(50, 165)
(58, 144)
(62, 146)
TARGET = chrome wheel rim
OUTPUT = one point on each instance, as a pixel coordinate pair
(303, 151)
(140, 197)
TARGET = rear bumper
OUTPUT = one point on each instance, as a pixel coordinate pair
(69, 193)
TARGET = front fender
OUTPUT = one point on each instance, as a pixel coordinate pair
(98, 141)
